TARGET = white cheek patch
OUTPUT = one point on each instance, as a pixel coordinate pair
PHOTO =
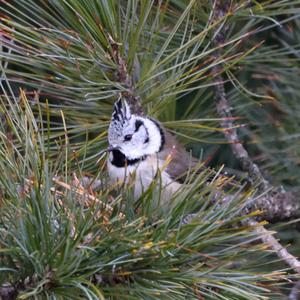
(147, 137)
(137, 147)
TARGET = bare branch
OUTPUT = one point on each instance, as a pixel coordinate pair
(277, 205)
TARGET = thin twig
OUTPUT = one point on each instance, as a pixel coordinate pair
(267, 237)
(278, 202)
(223, 108)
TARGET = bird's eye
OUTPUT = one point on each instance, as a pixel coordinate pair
(127, 137)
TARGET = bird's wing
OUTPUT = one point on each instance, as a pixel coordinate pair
(179, 161)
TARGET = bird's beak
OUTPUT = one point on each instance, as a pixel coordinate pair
(108, 149)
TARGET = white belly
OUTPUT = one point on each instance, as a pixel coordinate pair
(142, 174)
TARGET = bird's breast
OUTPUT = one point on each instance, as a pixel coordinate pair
(120, 169)
(144, 171)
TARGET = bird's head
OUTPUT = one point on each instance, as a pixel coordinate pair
(133, 135)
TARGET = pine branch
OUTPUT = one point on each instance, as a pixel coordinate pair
(277, 203)
(90, 199)
(125, 78)
(220, 9)
(79, 190)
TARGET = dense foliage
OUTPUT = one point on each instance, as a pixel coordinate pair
(63, 64)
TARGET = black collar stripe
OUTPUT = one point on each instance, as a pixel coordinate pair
(119, 160)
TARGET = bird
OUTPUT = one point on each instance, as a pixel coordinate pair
(140, 147)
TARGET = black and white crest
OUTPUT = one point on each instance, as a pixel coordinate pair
(120, 118)
(121, 112)
(133, 135)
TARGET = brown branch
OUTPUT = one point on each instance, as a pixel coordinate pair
(277, 205)
(295, 292)
(221, 9)
(125, 78)
(267, 237)
(275, 202)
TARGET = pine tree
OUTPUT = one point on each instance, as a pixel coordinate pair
(221, 75)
